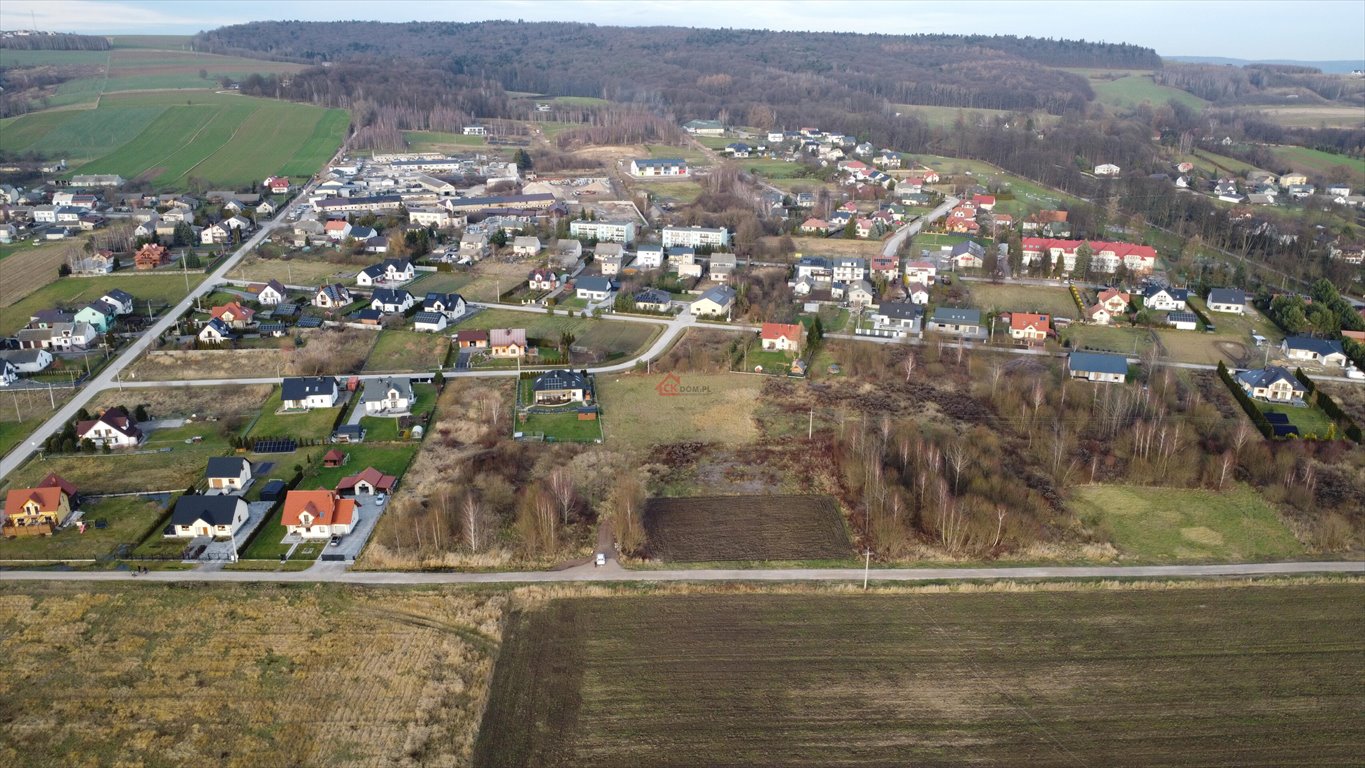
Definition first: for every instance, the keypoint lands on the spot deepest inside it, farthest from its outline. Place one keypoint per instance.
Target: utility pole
(51, 397)
(867, 566)
(810, 429)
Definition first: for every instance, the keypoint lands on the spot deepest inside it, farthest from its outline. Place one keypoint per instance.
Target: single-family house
(663, 166)
(1114, 301)
(722, 266)
(1106, 169)
(114, 428)
(120, 300)
(957, 322)
(473, 245)
(269, 294)
(897, 318)
(785, 337)
(228, 473)
(389, 396)
(848, 269)
(1099, 314)
(560, 387)
(471, 339)
(98, 314)
(917, 293)
(332, 296)
(8, 373)
(150, 256)
(653, 300)
(1030, 327)
(649, 256)
(715, 302)
(391, 300)
(233, 314)
(35, 511)
(317, 514)
(430, 322)
(1273, 384)
(452, 305)
(216, 516)
(367, 482)
(525, 246)
(508, 342)
(215, 331)
(860, 294)
(1227, 300)
(26, 360)
(593, 288)
(1321, 351)
(1293, 179)
(542, 280)
(1098, 367)
(1182, 321)
(922, 272)
(1164, 298)
(337, 230)
(308, 392)
(277, 185)
(968, 255)
(391, 271)
(610, 262)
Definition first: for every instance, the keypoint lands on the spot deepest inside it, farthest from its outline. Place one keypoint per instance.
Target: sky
(1310, 30)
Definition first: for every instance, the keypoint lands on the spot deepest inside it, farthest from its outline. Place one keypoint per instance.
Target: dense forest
(54, 41)
(702, 73)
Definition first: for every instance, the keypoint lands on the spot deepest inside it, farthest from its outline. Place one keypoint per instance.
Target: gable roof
(900, 310)
(957, 316)
(1097, 362)
(323, 507)
(774, 331)
(1226, 296)
(378, 389)
(391, 296)
(226, 466)
(49, 499)
(54, 480)
(1320, 347)
(374, 477)
(301, 387)
(502, 337)
(1020, 321)
(593, 284)
(720, 294)
(560, 379)
(214, 510)
(1264, 377)
(115, 417)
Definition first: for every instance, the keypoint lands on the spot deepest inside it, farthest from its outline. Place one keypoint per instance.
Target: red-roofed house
(334, 458)
(114, 428)
(1026, 326)
(368, 481)
(54, 480)
(1114, 300)
(1098, 315)
(234, 314)
(815, 225)
(317, 514)
(277, 185)
(920, 272)
(781, 336)
(963, 226)
(984, 202)
(1105, 256)
(884, 266)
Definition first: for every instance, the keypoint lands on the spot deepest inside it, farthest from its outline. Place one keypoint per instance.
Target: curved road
(337, 573)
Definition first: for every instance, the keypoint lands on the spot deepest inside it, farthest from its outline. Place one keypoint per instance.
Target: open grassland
(404, 351)
(689, 153)
(297, 270)
(1318, 163)
(437, 141)
(227, 140)
(772, 169)
(389, 459)
(944, 117)
(313, 424)
(1122, 339)
(21, 411)
(1255, 675)
(681, 191)
(613, 339)
(1129, 91)
(835, 246)
(1177, 524)
(334, 351)
(128, 520)
(126, 472)
(79, 135)
(74, 292)
(1024, 298)
(711, 408)
(1221, 164)
(243, 676)
(1323, 116)
(26, 268)
(745, 528)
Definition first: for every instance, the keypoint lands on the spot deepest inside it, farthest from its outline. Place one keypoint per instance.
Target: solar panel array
(276, 445)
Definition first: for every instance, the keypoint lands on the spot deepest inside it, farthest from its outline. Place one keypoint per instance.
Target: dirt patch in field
(747, 528)
(201, 402)
(25, 271)
(1234, 351)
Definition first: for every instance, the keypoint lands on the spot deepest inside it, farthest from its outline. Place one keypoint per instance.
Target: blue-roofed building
(1273, 384)
(1097, 366)
(957, 321)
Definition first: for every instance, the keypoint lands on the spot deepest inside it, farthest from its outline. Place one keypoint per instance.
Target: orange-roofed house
(234, 314)
(35, 511)
(150, 256)
(782, 336)
(318, 514)
(1029, 327)
(368, 481)
(1114, 300)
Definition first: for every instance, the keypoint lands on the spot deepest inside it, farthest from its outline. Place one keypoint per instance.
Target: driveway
(367, 516)
(223, 550)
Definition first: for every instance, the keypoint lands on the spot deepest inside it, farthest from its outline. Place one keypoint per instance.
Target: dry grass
(202, 402)
(299, 270)
(243, 675)
(711, 408)
(493, 276)
(1024, 298)
(1313, 117)
(32, 267)
(836, 246)
(332, 351)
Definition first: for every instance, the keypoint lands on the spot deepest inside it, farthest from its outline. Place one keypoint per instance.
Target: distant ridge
(1345, 66)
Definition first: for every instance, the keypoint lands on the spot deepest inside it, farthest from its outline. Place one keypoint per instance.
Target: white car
(1355, 373)
(601, 560)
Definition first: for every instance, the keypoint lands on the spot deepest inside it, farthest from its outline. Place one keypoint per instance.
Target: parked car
(335, 541)
(601, 560)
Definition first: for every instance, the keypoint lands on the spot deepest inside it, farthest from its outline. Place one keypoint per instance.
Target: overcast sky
(1314, 30)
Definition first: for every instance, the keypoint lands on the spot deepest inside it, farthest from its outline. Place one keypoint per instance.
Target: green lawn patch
(561, 427)
(1317, 162)
(436, 141)
(1309, 419)
(129, 519)
(315, 424)
(1177, 524)
(407, 351)
(391, 459)
(74, 292)
(384, 428)
(1129, 91)
(615, 339)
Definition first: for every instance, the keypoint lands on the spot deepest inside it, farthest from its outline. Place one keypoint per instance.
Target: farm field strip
(1251, 675)
(746, 528)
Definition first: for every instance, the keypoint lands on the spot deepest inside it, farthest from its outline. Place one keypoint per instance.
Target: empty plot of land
(296, 270)
(711, 408)
(1314, 117)
(281, 675)
(749, 528)
(1170, 524)
(1266, 675)
(1024, 298)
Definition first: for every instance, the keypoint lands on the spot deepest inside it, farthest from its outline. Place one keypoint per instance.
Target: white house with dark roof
(308, 392)
(389, 271)
(389, 396)
(1321, 351)
(1097, 367)
(1227, 300)
(217, 516)
(1273, 384)
(228, 473)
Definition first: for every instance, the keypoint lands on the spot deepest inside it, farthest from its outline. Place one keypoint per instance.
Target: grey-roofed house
(1227, 300)
(430, 322)
(228, 473)
(216, 516)
(957, 322)
(593, 288)
(653, 300)
(305, 392)
(1322, 351)
(1183, 321)
(715, 302)
(560, 387)
(390, 396)
(1097, 366)
(1274, 384)
(895, 319)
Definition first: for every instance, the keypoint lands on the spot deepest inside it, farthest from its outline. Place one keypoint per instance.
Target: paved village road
(107, 377)
(612, 572)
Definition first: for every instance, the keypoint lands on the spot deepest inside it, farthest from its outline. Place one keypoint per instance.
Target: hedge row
(1257, 417)
(1200, 314)
(1329, 406)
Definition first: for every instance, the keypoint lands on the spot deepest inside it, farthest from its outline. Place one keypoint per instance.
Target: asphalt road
(337, 573)
(893, 244)
(109, 376)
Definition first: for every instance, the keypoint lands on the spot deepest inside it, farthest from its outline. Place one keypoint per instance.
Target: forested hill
(698, 72)
(53, 41)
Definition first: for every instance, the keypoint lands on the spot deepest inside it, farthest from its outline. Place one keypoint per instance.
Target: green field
(581, 101)
(1310, 419)
(75, 291)
(1131, 90)
(685, 192)
(689, 153)
(407, 351)
(315, 424)
(171, 138)
(1177, 524)
(436, 141)
(560, 427)
(1024, 298)
(129, 519)
(389, 459)
(1259, 675)
(774, 169)
(1123, 339)
(945, 117)
(614, 338)
(381, 428)
(1318, 163)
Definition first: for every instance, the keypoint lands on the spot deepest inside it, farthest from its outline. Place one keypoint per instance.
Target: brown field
(836, 246)
(328, 351)
(1065, 676)
(1313, 117)
(162, 675)
(201, 402)
(711, 408)
(1351, 398)
(32, 267)
(747, 528)
(298, 270)
(493, 276)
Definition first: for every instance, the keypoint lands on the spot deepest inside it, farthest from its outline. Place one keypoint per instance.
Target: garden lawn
(436, 141)
(129, 518)
(384, 428)
(1024, 298)
(1178, 524)
(561, 427)
(315, 424)
(74, 292)
(389, 459)
(1309, 419)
